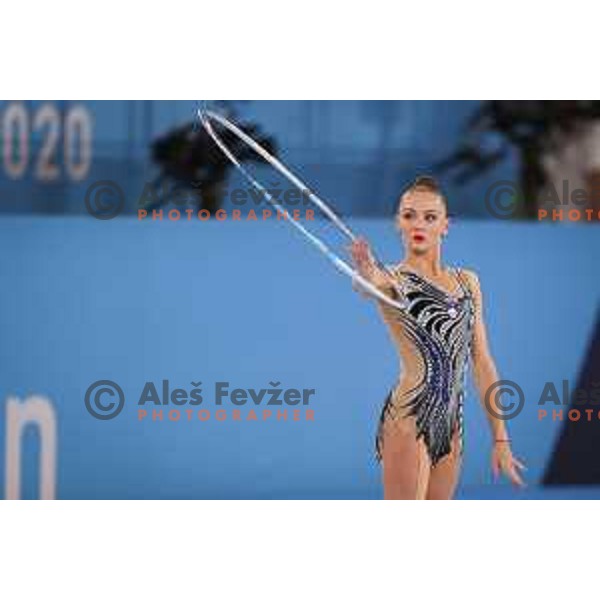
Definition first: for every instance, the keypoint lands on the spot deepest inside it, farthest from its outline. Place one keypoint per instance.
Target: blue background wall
(248, 302)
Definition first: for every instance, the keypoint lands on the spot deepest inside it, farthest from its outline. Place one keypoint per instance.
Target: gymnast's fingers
(515, 477)
(519, 464)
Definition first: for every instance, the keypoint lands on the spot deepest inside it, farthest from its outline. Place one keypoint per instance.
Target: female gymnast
(420, 435)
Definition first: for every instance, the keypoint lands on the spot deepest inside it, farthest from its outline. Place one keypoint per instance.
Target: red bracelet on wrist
(498, 441)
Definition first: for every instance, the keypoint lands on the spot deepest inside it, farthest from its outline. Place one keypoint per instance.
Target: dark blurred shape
(575, 459)
(534, 128)
(188, 157)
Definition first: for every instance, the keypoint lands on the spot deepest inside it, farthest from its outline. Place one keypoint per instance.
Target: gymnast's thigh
(406, 464)
(443, 478)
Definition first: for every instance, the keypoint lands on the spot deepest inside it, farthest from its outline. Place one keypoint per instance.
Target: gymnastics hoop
(206, 116)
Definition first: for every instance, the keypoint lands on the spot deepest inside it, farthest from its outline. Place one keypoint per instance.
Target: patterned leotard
(440, 326)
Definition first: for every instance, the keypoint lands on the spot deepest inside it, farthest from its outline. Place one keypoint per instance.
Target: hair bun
(426, 181)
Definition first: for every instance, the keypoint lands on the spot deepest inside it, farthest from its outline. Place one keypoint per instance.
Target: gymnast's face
(421, 220)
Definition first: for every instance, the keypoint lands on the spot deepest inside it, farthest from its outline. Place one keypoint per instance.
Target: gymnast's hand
(504, 461)
(365, 264)
(362, 256)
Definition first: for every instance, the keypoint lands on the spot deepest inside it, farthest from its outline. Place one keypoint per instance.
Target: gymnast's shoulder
(471, 278)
